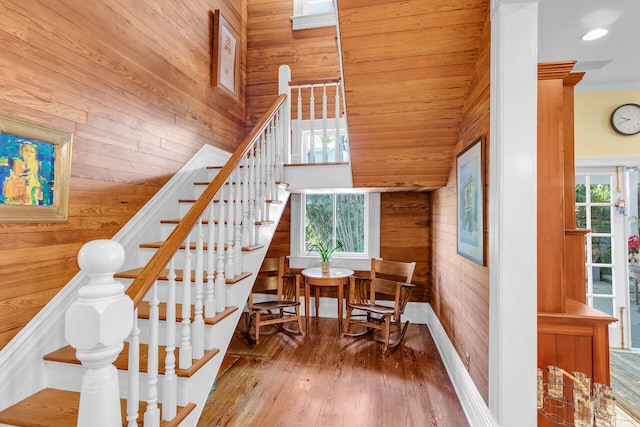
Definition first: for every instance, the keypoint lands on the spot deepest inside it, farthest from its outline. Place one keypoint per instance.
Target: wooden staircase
(161, 307)
(57, 407)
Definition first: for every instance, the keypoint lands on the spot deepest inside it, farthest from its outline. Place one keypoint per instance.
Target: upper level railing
(318, 124)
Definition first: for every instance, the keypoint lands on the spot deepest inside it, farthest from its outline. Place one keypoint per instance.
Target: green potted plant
(325, 249)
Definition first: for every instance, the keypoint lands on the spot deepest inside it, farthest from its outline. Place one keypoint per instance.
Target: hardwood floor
(326, 380)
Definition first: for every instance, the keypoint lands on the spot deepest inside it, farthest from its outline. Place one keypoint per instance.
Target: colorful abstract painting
(27, 170)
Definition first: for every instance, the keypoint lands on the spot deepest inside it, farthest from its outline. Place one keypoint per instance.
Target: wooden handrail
(317, 82)
(145, 280)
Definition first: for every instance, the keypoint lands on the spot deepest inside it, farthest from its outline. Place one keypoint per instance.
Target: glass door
(597, 191)
(632, 202)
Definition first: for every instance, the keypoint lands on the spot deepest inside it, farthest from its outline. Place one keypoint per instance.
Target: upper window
(313, 14)
(353, 219)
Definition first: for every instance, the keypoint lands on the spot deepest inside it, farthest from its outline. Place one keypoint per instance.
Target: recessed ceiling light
(595, 34)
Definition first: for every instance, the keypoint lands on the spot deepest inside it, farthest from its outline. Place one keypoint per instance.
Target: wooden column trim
(575, 275)
(569, 83)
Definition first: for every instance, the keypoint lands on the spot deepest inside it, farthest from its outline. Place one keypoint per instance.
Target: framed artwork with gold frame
(35, 168)
(226, 55)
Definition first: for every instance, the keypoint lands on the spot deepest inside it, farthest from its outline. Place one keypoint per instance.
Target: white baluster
(264, 216)
(271, 161)
(268, 171)
(230, 268)
(100, 302)
(170, 381)
(285, 150)
(209, 303)
(133, 374)
(324, 123)
(198, 320)
(245, 202)
(237, 224)
(152, 414)
(312, 133)
(280, 144)
(186, 351)
(220, 280)
(252, 199)
(258, 182)
(299, 143)
(338, 152)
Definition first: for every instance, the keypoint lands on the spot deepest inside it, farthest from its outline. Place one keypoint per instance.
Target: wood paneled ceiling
(407, 68)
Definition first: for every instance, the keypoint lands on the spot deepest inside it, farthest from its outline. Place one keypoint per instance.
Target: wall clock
(625, 119)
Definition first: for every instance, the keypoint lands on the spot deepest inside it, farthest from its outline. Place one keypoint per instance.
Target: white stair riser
(145, 254)
(211, 173)
(66, 376)
(163, 289)
(210, 331)
(166, 229)
(185, 206)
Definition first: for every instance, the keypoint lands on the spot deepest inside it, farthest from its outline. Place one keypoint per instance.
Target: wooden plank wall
(460, 288)
(131, 80)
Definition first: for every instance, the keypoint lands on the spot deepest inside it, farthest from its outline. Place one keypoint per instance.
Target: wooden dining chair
(282, 308)
(389, 281)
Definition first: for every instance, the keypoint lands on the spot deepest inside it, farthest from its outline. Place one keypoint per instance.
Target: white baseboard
(473, 404)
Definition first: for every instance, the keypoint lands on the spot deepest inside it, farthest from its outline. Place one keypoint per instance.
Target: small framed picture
(226, 55)
(470, 201)
(35, 163)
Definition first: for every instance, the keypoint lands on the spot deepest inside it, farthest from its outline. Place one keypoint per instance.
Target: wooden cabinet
(571, 334)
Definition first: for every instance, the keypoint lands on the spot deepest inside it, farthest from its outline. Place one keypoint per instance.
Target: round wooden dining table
(336, 277)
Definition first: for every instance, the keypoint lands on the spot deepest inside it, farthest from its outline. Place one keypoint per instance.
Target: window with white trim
(313, 14)
(351, 218)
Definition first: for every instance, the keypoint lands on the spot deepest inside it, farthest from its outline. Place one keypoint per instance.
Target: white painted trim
(305, 22)
(512, 246)
(607, 87)
(299, 259)
(607, 161)
(473, 404)
(23, 370)
(315, 177)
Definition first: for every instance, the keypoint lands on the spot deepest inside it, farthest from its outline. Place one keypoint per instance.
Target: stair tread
(53, 407)
(206, 221)
(143, 312)
(67, 354)
(192, 245)
(278, 202)
(177, 220)
(156, 245)
(164, 275)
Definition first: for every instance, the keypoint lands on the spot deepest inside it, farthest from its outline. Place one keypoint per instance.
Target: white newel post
(286, 150)
(96, 325)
